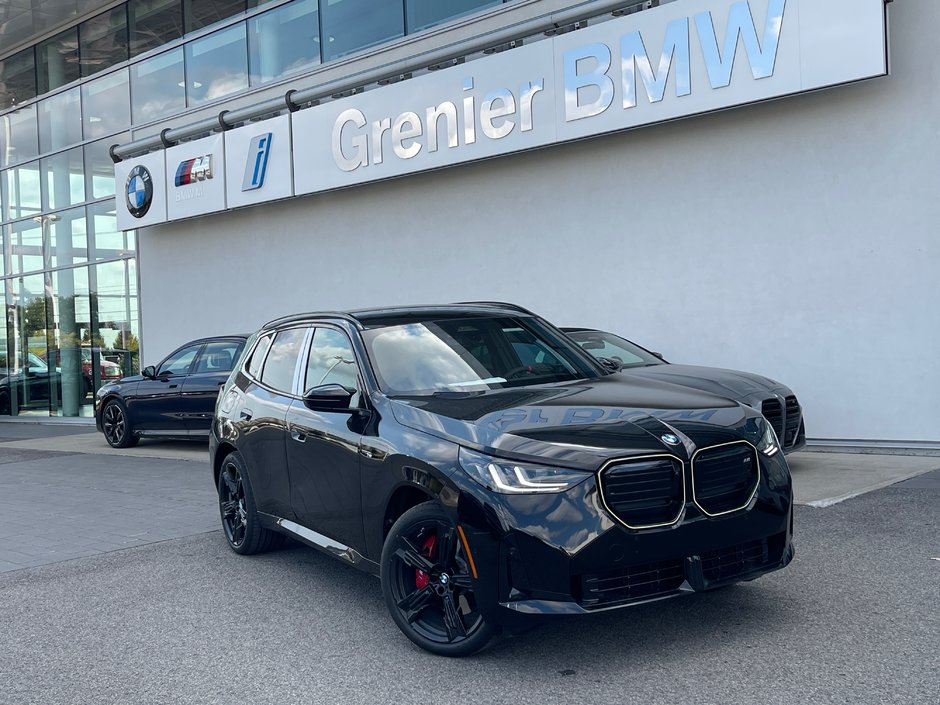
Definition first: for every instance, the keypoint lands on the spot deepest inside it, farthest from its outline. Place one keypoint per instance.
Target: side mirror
(329, 397)
(610, 364)
(150, 372)
(657, 354)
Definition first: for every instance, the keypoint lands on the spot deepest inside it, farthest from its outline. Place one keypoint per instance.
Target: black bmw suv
(489, 469)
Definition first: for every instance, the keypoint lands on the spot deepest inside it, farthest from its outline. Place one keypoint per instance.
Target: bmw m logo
(670, 438)
(193, 170)
(138, 191)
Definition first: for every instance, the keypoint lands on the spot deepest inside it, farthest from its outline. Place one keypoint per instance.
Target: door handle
(245, 414)
(298, 436)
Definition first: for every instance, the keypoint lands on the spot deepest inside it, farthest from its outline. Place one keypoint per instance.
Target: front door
(323, 447)
(155, 406)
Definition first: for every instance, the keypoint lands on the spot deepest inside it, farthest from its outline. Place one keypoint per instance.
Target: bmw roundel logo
(670, 438)
(138, 191)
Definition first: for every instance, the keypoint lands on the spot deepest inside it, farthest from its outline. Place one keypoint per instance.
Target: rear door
(201, 387)
(268, 391)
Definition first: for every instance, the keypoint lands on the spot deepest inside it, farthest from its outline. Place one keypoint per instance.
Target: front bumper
(566, 554)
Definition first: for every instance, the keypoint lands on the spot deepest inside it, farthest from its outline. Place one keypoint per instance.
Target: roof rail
(501, 304)
(298, 317)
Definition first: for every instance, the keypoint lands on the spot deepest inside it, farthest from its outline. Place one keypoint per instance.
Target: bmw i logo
(138, 191)
(670, 438)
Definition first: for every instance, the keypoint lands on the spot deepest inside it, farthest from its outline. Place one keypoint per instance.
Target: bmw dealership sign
(677, 60)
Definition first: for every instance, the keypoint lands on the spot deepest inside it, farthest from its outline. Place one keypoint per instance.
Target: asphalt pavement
(116, 586)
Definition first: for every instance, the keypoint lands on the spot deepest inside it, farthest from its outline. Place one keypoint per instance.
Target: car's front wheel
(116, 426)
(240, 520)
(428, 585)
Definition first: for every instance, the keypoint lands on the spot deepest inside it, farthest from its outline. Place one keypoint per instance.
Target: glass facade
(68, 275)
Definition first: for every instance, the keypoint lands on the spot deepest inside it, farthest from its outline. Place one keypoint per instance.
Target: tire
(240, 522)
(434, 607)
(116, 426)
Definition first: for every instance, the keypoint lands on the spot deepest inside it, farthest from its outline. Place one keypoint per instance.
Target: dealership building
(749, 184)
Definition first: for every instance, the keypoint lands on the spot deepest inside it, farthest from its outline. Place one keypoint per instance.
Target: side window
(257, 356)
(218, 356)
(279, 366)
(179, 362)
(331, 361)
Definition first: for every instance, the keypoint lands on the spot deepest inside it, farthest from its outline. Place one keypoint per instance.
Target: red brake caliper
(427, 548)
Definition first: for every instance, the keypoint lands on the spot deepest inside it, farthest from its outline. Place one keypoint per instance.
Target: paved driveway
(117, 587)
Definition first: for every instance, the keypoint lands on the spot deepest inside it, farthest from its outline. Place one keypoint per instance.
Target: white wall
(797, 238)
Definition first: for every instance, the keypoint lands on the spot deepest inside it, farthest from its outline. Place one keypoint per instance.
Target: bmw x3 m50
(488, 469)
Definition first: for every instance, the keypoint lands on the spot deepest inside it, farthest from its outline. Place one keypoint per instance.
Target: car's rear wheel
(428, 586)
(116, 426)
(240, 521)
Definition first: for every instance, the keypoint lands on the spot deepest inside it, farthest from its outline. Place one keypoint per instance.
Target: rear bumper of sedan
(567, 554)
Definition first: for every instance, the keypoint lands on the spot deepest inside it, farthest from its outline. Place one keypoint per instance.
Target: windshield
(613, 347)
(462, 354)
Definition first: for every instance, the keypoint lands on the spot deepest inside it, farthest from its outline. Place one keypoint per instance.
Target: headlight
(508, 477)
(768, 443)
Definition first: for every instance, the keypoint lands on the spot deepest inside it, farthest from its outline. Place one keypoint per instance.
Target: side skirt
(336, 549)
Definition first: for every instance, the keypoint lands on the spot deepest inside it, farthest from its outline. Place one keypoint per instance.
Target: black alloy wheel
(428, 586)
(116, 427)
(240, 522)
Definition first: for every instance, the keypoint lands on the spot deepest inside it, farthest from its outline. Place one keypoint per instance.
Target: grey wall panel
(796, 238)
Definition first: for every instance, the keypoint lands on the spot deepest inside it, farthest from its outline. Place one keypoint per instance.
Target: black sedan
(490, 470)
(774, 400)
(175, 398)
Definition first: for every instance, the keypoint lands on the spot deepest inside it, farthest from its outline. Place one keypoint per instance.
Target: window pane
(63, 179)
(20, 191)
(106, 104)
(70, 319)
(349, 25)
(218, 356)
(331, 360)
(157, 87)
(115, 313)
(257, 356)
(217, 65)
(60, 121)
(19, 137)
(17, 79)
(424, 13)
(153, 23)
(279, 366)
(27, 345)
(180, 362)
(103, 40)
(284, 40)
(57, 60)
(107, 242)
(67, 238)
(99, 169)
(25, 238)
(199, 14)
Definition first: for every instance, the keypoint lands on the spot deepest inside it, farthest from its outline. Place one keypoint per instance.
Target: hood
(743, 387)
(578, 424)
